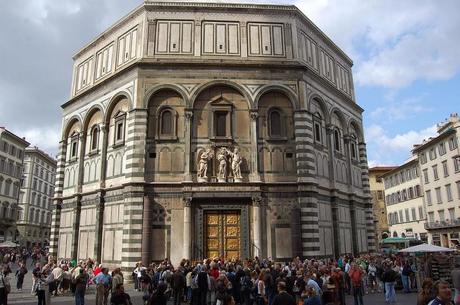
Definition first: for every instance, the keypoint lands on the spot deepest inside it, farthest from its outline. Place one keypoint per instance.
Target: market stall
(432, 261)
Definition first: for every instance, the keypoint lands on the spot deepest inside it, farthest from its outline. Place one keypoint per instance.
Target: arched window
(94, 138)
(74, 146)
(337, 140)
(166, 123)
(353, 147)
(275, 124)
(395, 234)
(317, 126)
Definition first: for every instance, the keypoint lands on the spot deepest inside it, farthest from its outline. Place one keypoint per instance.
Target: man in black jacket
(203, 284)
(178, 285)
(283, 298)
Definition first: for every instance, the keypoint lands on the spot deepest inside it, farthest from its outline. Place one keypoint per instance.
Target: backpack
(246, 284)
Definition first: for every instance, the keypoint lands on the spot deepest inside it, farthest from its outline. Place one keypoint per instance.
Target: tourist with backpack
(247, 286)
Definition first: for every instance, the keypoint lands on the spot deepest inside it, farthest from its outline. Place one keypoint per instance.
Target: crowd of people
(224, 282)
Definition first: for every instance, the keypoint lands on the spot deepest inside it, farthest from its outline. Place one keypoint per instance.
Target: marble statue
(222, 159)
(236, 164)
(202, 172)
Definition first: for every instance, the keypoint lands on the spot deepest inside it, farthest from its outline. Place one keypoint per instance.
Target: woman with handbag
(5, 287)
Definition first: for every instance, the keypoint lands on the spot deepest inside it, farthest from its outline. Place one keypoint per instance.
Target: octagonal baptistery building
(200, 130)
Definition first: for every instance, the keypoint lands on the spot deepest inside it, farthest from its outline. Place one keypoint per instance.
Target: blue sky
(405, 53)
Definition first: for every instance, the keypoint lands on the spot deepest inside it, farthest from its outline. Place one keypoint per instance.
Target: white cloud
(46, 138)
(393, 43)
(400, 109)
(377, 135)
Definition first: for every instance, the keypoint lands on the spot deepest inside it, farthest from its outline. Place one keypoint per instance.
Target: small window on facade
(336, 140)
(166, 123)
(318, 132)
(275, 124)
(119, 132)
(94, 138)
(221, 123)
(73, 148)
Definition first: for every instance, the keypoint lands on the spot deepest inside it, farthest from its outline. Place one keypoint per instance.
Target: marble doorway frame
(201, 206)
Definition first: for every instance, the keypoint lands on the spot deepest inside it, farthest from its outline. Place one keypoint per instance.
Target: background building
(198, 130)
(377, 188)
(404, 201)
(11, 157)
(439, 159)
(35, 199)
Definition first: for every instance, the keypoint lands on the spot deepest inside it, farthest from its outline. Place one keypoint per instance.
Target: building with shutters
(35, 198)
(210, 129)
(404, 201)
(439, 159)
(11, 161)
(377, 188)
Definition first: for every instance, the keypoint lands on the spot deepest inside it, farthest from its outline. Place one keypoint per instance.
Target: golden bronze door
(222, 231)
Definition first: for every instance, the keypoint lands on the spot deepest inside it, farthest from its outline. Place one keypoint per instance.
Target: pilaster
(254, 175)
(187, 228)
(76, 228)
(131, 251)
(135, 145)
(330, 146)
(104, 129)
(257, 226)
(188, 140)
(146, 248)
(99, 227)
(55, 225)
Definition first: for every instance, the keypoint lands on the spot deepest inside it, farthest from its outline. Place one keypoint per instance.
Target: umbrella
(426, 248)
(8, 244)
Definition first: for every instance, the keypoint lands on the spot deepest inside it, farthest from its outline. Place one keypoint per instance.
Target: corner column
(55, 225)
(254, 176)
(146, 231)
(57, 200)
(257, 226)
(366, 189)
(188, 132)
(187, 248)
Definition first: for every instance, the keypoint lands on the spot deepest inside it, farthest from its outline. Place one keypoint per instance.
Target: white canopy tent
(426, 248)
(8, 244)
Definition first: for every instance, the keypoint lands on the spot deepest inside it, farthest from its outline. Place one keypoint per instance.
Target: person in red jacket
(356, 278)
(97, 270)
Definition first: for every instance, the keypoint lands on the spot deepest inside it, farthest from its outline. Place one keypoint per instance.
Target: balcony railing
(442, 224)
